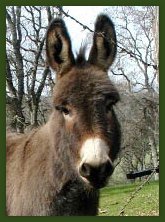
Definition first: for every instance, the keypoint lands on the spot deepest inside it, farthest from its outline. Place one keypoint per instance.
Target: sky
(86, 15)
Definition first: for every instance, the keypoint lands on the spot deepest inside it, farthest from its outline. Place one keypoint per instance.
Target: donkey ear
(104, 46)
(58, 47)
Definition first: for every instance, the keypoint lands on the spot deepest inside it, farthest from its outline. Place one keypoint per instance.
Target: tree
(26, 70)
(137, 66)
(15, 100)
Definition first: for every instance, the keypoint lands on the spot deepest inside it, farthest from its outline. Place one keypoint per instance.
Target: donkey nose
(96, 175)
(85, 170)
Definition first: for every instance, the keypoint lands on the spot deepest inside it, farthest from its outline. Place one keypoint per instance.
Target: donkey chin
(95, 167)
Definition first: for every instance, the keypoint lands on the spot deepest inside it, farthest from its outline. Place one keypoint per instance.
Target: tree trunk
(154, 154)
(17, 119)
(156, 38)
(34, 116)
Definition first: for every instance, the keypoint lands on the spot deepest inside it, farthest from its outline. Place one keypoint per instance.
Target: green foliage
(145, 202)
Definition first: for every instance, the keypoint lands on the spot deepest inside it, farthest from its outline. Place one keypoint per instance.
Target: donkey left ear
(58, 47)
(104, 43)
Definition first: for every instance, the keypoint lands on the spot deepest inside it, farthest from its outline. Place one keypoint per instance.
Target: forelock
(81, 59)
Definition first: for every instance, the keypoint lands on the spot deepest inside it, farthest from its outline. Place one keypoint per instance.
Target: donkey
(59, 168)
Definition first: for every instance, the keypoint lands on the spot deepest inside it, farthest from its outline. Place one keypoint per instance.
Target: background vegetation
(30, 82)
(145, 203)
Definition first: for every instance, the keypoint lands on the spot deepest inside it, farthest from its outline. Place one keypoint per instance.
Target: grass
(145, 202)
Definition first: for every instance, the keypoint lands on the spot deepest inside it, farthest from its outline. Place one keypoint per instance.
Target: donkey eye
(63, 110)
(109, 105)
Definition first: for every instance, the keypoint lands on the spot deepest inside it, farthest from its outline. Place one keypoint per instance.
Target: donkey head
(84, 98)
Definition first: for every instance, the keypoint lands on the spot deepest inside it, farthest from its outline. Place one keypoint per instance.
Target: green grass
(145, 202)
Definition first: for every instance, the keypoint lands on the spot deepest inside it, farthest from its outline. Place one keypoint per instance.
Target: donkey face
(84, 97)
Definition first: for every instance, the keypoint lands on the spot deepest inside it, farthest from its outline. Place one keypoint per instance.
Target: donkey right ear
(58, 47)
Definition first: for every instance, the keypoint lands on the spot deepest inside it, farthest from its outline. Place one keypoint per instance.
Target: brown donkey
(59, 168)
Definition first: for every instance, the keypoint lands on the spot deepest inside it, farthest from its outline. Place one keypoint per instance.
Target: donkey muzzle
(95, 165)
(97, 176)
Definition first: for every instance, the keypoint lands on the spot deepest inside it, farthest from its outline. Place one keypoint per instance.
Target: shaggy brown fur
(42, 166)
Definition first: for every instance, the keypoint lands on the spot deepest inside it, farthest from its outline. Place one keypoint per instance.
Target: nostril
(107, 168)
(85, 170)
